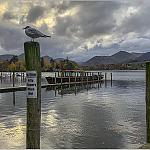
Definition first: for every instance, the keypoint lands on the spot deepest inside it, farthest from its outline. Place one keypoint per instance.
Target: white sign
(31, 84)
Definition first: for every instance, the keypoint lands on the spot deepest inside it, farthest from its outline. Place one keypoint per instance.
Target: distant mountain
(143, 57)
(6, 57)
(137, 54)
(118, 58)
(123, 57)
(100, 60)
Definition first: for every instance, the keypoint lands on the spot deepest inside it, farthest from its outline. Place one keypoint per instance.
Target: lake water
(98, 117)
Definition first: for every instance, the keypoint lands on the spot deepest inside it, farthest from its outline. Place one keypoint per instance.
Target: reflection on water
(93, 116)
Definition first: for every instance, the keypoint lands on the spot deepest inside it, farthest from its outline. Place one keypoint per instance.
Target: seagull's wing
(36, 32)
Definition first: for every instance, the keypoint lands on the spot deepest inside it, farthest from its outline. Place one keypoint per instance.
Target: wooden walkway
(23, 88)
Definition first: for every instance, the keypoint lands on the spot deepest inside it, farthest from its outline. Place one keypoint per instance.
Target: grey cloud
(138, 22)
(11, 37)
(35, 13)
(93, 18)
(92, 21)
(8, 16)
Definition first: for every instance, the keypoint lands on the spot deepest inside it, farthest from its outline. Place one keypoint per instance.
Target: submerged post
(13, 78)
(111, 78)
(33, 79)
(1, 76)
(148, 100)
(55, 78)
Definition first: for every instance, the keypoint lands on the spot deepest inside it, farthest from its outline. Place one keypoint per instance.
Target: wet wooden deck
(23, 88)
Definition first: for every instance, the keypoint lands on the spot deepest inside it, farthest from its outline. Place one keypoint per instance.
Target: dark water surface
(104, 117)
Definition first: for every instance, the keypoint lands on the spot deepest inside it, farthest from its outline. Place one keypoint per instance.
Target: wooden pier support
(10, 76)
(87, 75)
(148, 100)
(111, 79)
(1, 77)
(13, 78)
(55, 77)
(105, 76)
(32, 58)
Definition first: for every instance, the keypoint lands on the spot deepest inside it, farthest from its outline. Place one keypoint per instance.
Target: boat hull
(53, 80)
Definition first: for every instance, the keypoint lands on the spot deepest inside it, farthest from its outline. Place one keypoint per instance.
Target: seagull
(34, 33)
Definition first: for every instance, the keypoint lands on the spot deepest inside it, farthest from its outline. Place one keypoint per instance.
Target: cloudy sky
(79, 29)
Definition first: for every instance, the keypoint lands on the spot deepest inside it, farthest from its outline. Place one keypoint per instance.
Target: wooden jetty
(88, 77)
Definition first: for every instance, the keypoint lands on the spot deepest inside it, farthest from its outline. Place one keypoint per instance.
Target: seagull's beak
(23, 28)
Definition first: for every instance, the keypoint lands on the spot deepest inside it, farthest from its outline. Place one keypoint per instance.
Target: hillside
(123, 57)
(143, 58)
(120, 57)
(6, 57)
(100, 60)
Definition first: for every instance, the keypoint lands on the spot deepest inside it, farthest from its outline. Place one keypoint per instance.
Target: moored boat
(74, 76)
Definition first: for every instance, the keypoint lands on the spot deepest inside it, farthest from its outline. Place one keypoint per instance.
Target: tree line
(16, 64)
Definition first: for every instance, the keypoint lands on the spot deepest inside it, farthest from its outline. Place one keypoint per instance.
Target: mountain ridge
(120, 57)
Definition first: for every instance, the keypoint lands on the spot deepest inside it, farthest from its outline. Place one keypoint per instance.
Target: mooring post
(148, 100)
(58, 73)
(69, 77)
(1, 76)
(13, 78)
(105, 76)
(23, 76)
(87, 76)
(75, 77)
(82, 78)
(33, 79)
(10, 76)
(55, 77)
(111, 78)
(61, 78)
(93, 76)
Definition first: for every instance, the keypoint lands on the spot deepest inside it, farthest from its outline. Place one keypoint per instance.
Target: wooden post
(87, 76)
(10, 76)
(61, 78)
(105, 76)
(82, 78)
(55, 91)
(32, 58)
(93, 76)
(13, 78)
(111, 78)
(55, 77)
(75, 77)
(69, 77)
(148, 100)
(23, 76)
(1, 76)
(98, 77)
(78, 76)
